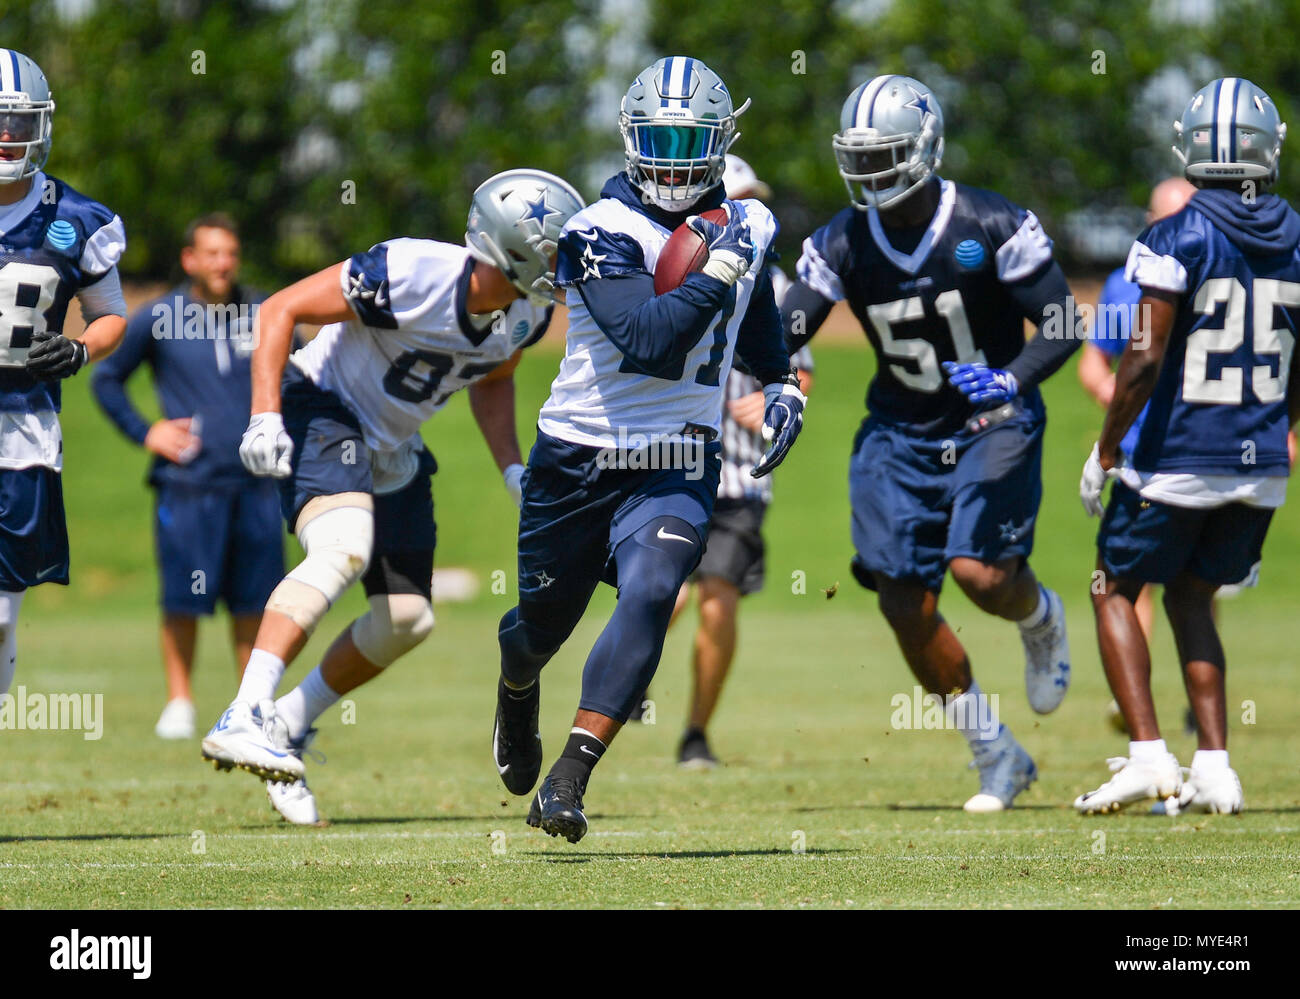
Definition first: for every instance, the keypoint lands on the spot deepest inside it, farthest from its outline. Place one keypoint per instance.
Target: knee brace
(396, 623)
(337, 533)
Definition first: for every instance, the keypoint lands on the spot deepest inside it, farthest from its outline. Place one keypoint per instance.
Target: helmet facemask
(25, 129)
(886, 169)
(675, 159)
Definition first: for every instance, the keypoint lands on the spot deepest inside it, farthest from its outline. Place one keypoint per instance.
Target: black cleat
(516, 742)
(694, 753)
(557, 809)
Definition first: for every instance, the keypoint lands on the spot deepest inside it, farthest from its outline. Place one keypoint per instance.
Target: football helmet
(1230, 130)
(514, 224)
(890, 140)
(25, 112)
(677, 122)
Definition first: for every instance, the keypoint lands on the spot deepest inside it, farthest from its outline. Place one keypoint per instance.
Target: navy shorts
(33, 528)
(919, 502)
(218, 542)
(329, 457)
(575, 513)
(329, 454)
(1153, 542)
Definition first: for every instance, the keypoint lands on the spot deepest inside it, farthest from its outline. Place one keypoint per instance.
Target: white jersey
(596, 398)
(412, 344)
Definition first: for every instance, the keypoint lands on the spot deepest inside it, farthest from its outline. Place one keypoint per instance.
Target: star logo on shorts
(543, 580)
(1009, 532)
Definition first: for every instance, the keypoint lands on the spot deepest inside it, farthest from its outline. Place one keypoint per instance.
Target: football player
(1212, 353)
(408, 323)
(945, 474)
(55, 243)
(621, 483)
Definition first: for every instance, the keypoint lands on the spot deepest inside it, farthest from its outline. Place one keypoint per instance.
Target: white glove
(514, 476)
(1093, 481)
(266, 449)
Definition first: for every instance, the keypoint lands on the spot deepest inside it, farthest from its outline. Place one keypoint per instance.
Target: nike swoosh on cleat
(671, 537)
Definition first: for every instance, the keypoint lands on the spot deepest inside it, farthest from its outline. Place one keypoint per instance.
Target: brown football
(684, 253)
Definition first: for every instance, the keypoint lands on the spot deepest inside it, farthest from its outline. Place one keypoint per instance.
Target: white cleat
(1132, 782)
(294, 801)
(253, 739)
(1005, 770)
(1047, 658)
(1215, 791)
(176, 720)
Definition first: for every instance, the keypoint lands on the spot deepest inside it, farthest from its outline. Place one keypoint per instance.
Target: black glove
(53, 356)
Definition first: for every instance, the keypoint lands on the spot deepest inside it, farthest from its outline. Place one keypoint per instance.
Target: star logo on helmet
(538, 210)
(920, 102)
(591, 262)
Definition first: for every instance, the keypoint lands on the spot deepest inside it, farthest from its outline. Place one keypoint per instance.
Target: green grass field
(418, 817)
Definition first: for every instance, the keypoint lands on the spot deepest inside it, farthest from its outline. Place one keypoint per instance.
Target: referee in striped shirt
(732, 566)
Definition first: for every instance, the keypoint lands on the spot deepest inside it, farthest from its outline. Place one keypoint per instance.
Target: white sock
(1040, 612)
(305, 703)
(1210, 759)
(974, 715)
(9, 604)
(261, 677)
(1151, 751)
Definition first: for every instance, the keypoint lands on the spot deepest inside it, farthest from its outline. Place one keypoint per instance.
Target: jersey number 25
(1266, 294)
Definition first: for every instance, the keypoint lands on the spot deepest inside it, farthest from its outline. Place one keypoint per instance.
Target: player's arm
(760, 345)
(810, 299)
(53, 356)
(266, 448)
(315, 300)
(492, 401)
(1139, 368)
(1045, 300)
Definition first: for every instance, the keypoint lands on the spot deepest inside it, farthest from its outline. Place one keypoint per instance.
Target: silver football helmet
(1230, 130)
(890, 140)
(677, 122)
(514, 224)
(25, 112)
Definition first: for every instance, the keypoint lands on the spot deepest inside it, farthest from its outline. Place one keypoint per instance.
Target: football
(684, 253)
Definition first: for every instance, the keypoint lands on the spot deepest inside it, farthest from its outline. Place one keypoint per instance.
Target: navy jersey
(53, 243)
(1220, 403)
(947, 299)
(200, 356)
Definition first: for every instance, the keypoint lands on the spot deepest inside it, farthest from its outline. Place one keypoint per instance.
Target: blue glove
(980, 383)
(782, 421)
(731, 250)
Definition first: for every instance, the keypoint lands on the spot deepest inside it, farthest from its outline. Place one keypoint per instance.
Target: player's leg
(651, 563)
(562, 551)
(1139, 542)
(901, 505)
(327, 499)
(1145, 609)
(1228, 551)
(11, 602)
(33, 549)
(997, 488)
